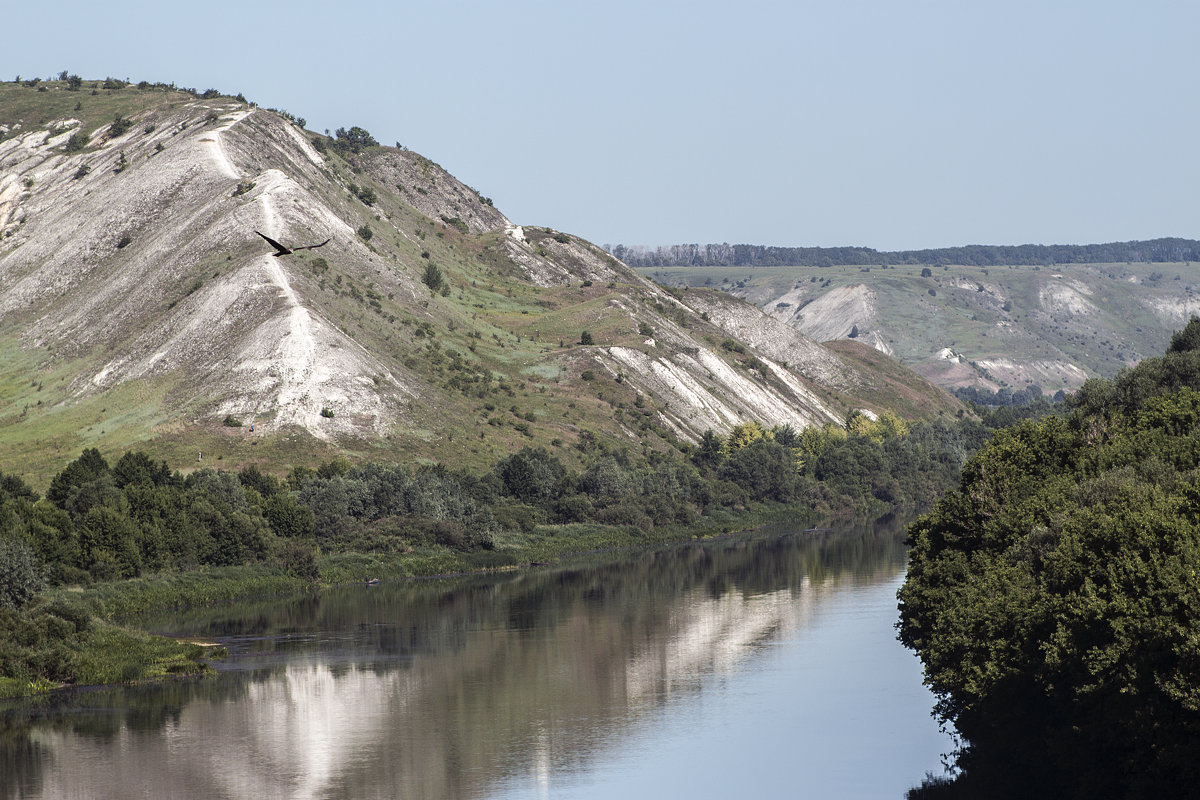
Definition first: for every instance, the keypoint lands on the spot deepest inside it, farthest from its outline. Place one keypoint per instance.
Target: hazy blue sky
(883, 123)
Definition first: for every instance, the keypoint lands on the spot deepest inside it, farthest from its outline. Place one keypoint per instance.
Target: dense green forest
(1054, 596)
(101, 523)
(752, 255)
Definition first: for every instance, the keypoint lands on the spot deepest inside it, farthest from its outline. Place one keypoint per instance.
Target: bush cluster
(1053, 595)
(100, 522)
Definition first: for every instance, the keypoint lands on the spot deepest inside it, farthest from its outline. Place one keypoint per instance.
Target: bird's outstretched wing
(313, 246)
(282, 251)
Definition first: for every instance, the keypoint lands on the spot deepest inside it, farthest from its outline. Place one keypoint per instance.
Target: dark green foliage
(765, 469)
(87, 468)
(711, 451)
(375, 500)
(585, 338)
(531, 475)
(364, 193)
(13, 488)
(254, 478)
(119, 126)
(76, 143)
(758, 365)
(41, 642)
(1132, 388)
(288, 517)
(299, 560)
(433, 277)
(60, 642)
(354, 140)
(1054, 599)
(101, 523)
(22, 575)
(365, 232)
(1187, 339)
(456, 223)
(786, 435)
(108, 542)
(110, 523)
(137, 468)
(608, 479)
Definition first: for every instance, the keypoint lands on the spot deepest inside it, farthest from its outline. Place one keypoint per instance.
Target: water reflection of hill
(438, 688)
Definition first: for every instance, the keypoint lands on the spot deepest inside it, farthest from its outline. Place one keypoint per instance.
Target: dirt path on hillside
(217, 151)
(296, 355)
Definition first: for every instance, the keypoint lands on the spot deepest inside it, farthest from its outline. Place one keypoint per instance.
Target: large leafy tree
(22, 575)
(1054, 596)
(531, 475)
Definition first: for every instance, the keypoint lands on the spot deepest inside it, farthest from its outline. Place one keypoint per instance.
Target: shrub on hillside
(353, 140)
(76, 143)
(119, 126)
(433, 277)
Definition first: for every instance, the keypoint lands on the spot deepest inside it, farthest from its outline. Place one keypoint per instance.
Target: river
(760, 666)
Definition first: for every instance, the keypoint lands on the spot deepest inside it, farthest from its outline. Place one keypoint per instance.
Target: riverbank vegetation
(1054, 596)
(59, 642)
(109, 541)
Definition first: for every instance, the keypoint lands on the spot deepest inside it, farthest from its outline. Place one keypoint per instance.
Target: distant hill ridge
(978, 255)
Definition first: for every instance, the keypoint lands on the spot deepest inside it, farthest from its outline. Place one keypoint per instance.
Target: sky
(894, 124)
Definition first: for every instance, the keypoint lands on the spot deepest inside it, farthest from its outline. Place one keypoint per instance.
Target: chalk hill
(982, 325)
(138, 307)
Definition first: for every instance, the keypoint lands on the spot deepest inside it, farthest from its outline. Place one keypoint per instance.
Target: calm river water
(764, 666)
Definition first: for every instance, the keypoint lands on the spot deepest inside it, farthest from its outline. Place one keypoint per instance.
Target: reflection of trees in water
(22, 760)
(437, 687)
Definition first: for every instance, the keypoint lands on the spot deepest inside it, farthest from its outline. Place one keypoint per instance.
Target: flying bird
(287, 251)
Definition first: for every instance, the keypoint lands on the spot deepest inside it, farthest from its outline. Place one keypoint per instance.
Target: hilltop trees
(354, 140)
(748, 255)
